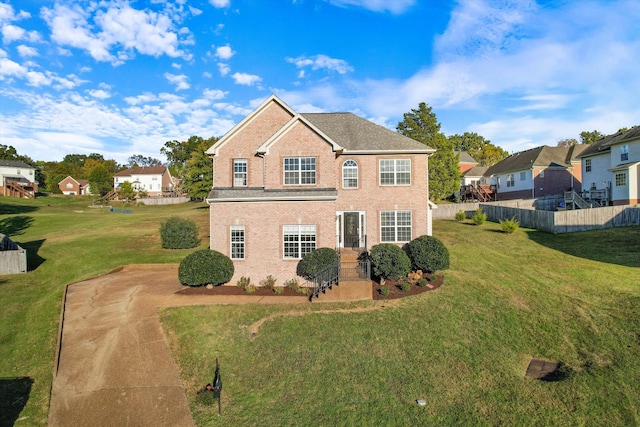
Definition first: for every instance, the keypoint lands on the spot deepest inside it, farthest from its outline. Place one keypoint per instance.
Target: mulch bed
(395, 290)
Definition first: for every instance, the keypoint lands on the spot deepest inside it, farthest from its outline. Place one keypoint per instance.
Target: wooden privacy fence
(567, 221)
(13, 259)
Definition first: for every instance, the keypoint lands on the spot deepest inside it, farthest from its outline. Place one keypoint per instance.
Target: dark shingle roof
(476, 171)
(142, 170)
(355, 134)
(604, 144)
(255, 194)
(465, 157)
(543, 156)
(15, 164)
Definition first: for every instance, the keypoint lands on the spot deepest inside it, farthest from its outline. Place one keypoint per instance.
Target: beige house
(287, 183)
(154, 180)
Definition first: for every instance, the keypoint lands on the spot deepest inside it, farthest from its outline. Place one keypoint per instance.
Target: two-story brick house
(74, 187)
(287, 183)
(611, 168)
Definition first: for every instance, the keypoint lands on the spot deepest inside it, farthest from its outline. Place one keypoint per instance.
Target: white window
(237, 242)
(299, 170)
(587, 165)
(395, 226)
(298, 240)
(523, 176)
(624, 153)
(69, 185)
(239, 172)
(541, 174)
(395, 171)
(350, 174)
(510, 180)
(621, 179)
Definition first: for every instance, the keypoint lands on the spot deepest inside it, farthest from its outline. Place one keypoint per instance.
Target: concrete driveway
(114, 367)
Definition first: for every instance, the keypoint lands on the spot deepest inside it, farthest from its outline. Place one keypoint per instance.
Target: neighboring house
(287, 183)
(611, 168)
(466, 162)
(155, 180)
(537, 172)
(74, 187)
(17, 179)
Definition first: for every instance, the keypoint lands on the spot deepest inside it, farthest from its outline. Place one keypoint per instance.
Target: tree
(197, 179)
(100, 180)
(140, 160)
(179, 152)
(590, 137)
(126, 191)
(444, 174)
(485, 153)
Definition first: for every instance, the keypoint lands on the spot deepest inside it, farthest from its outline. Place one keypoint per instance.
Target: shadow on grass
(14, 394)
(16, 209)
(619, 246)
(15, 225)
(33, 259)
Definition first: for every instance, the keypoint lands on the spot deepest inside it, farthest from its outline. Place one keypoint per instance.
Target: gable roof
(476, 171)
(539, 157)
(143, 170)
(15, 164)
(604, 144)
(465, 157)
(358, 135)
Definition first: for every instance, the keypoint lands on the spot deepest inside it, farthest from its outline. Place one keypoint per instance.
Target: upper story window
(239, 172)
(587, 165)
(395, 171)
(541, 174)
(523, 176)
(299, 171)
(510, 180)
(69, 185)
(350, 174)
(624, 153)
(18, 171)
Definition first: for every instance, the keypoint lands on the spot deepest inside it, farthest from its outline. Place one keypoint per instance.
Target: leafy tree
(126, 191)
(485, 153)
(590, 137)
(140, 160)
(179, 152)
(444, 174)
(100, 179)
(198, 171)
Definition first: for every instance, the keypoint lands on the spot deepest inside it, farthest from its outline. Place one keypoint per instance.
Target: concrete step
(347, 290)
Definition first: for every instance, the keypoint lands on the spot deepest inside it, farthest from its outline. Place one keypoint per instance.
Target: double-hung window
(395, 226)
(239, 172)
(523, 176)
(350, 174)
(237, 242)
(587, 165)
(299, 170)
(510, 180)
(624, 153)
(298, 240)
(395, 171)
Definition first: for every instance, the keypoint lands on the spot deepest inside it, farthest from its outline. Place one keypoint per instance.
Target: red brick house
(75, 187)
(287, 183)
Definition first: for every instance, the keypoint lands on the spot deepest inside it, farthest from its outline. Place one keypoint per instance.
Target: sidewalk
(114, 366)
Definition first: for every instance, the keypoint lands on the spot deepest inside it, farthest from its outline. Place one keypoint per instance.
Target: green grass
(464, 348)
(573, 298)
(66, 242)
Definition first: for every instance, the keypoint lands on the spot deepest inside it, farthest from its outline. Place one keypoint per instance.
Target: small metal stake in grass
(217, 385)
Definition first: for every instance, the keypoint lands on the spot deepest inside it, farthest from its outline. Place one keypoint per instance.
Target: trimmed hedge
(315, 261)
(179, 233)
(389, 261)
(205, 267)
(428, 254)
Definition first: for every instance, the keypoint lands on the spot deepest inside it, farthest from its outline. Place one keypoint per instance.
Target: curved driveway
(114, 366)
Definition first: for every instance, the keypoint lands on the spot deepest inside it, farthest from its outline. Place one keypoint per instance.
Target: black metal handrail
(325, 279)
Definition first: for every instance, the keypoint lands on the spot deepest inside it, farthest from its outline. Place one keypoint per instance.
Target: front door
(351, 229)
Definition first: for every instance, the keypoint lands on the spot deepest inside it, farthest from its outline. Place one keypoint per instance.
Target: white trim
(231, 242)
(362, 232)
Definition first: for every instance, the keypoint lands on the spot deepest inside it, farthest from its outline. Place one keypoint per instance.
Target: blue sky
(123, 77)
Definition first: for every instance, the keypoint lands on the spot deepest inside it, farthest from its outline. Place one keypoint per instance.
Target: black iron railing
(326, 279)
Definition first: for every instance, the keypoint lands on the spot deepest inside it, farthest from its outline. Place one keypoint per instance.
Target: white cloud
(99, 93)
(317, 62)
(223, 68)
(214, 94)
(224, 52)
(220, 3)
(195, 11)
(27, 51)
(393, 6)
(180, 80)
(246, 79)
(116, 27)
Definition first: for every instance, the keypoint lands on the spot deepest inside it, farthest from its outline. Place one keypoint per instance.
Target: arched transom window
(350, 174)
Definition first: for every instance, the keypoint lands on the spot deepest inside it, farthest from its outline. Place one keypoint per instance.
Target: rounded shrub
(315, 261)
(205, 267)
(429, 254)
(389, 261)
(179, 233)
